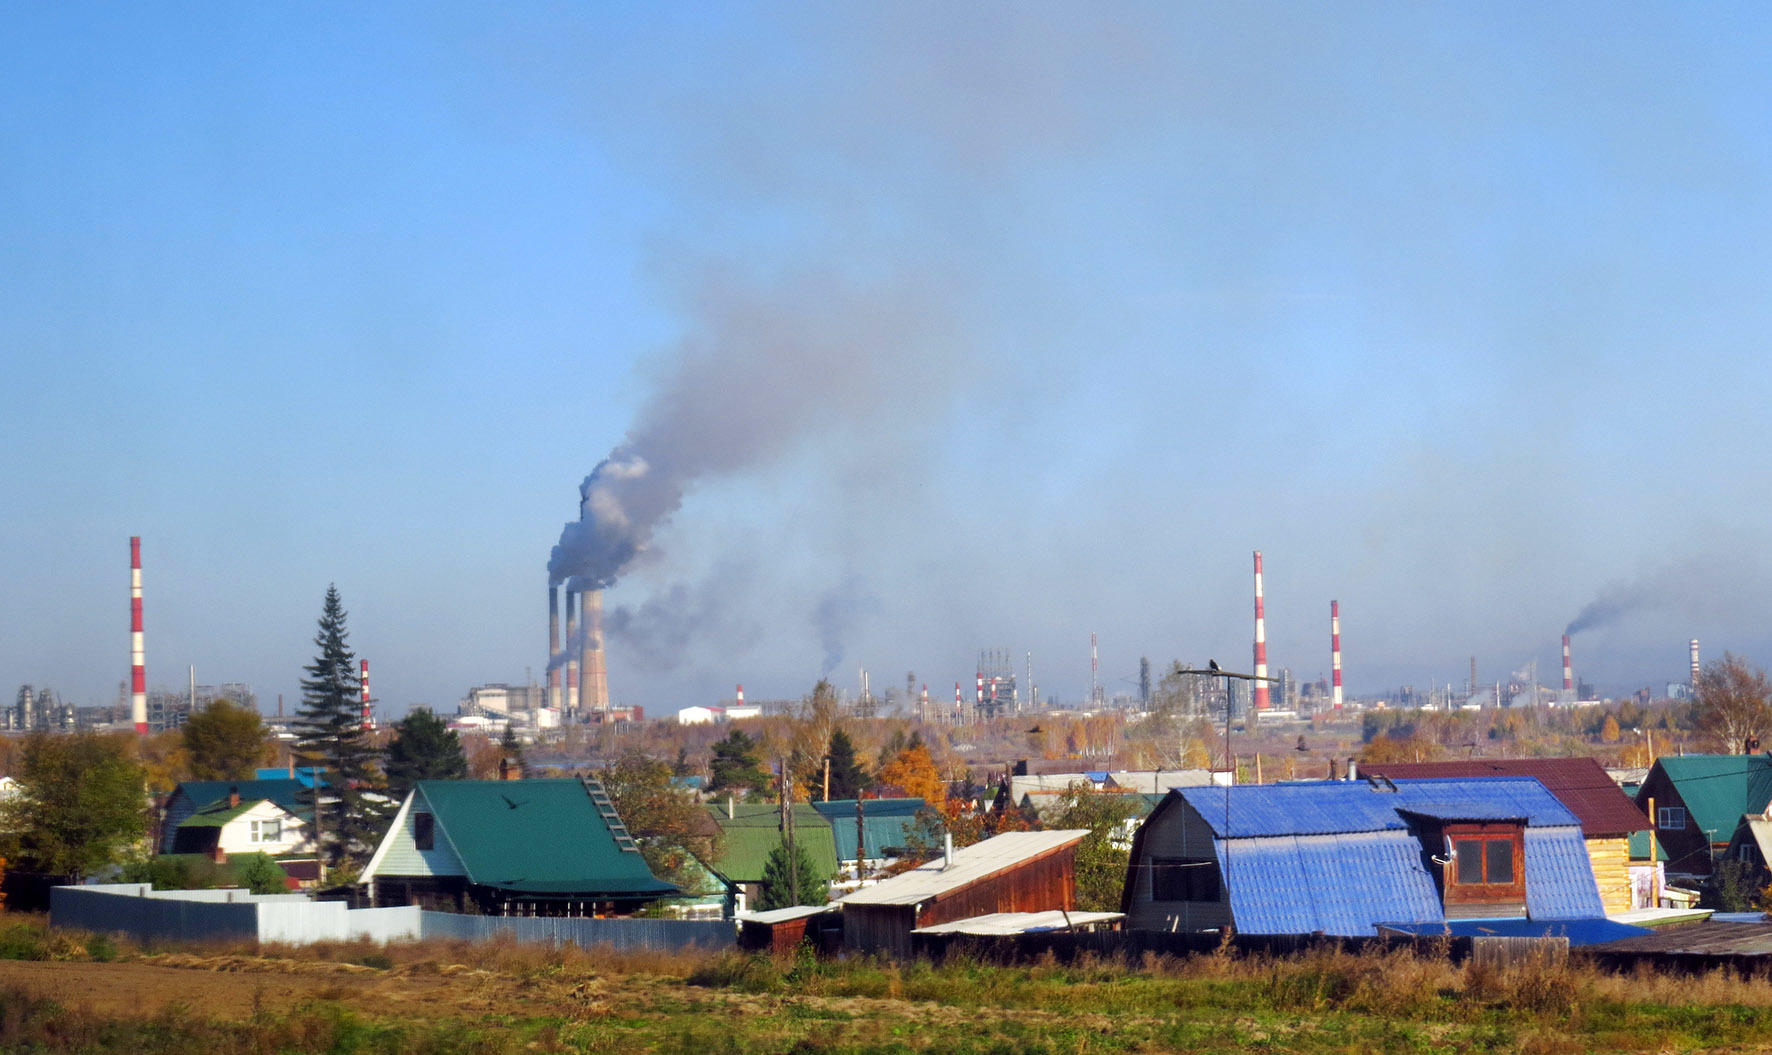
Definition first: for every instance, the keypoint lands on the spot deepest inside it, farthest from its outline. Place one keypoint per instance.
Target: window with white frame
(270, 831)
(1671, 817)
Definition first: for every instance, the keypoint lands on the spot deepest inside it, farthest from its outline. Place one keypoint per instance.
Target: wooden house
(511, 848)
(750, 831)
(1607, 815)
(1012, 872)
(1347, 857)
(1700, 801)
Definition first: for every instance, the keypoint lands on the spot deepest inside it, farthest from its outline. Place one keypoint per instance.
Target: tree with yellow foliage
(913, 770)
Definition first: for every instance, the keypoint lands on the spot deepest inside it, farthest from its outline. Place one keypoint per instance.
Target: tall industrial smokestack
(594, 693)
(572, 654)
(1094, 672)
(1335, 649)
(553, 646)
(138, 670)
(1261, 696)
(363, 681)
(740, 702)
(1695, 665)
(1568, 671)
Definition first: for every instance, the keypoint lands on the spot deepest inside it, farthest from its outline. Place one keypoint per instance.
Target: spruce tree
(848, 779)
(330, 737)
(423, 748)
(782, 872)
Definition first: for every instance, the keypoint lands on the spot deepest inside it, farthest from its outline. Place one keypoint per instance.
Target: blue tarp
(1592, 931)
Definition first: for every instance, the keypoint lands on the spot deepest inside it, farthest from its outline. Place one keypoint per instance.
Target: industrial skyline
(884, 335)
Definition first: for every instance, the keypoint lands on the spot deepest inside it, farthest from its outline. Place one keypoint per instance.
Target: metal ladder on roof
(606, 810)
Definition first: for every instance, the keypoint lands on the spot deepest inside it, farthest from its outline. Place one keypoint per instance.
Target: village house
(750, 831)
(1345, 857)
(1608, 816)
(1699, 802)
(551, 847)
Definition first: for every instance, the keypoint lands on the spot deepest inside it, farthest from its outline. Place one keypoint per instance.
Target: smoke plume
(1691, 587)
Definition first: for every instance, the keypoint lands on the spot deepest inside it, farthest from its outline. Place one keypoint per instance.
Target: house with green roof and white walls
(550, 847)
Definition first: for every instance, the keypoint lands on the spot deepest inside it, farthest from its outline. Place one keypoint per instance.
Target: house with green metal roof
(236, 825)
(883, 825)
(552, 847)
(1700, 801)
(193, 795)
(751, 830)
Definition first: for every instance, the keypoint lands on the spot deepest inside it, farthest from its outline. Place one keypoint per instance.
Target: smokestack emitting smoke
(138, 670)
(363, 682)
(1568, 671)
(572, 656)
(1335, 649)
(554, 646)
(594, 688)
(1261, 695)
(1694, 664)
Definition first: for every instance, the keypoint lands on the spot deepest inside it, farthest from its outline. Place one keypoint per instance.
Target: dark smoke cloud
(835, 617)
(680, 625)
(1691, 587)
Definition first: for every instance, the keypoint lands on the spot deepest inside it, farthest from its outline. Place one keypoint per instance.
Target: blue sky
(977, 327)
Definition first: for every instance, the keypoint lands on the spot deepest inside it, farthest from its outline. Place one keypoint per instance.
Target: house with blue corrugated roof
(1348, 857)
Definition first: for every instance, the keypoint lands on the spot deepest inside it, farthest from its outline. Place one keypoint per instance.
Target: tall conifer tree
(330, 737)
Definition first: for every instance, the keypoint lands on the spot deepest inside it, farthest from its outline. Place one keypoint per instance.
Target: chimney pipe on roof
(947, 851)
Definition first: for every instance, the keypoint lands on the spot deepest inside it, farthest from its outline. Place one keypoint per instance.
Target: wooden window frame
(1486, 892)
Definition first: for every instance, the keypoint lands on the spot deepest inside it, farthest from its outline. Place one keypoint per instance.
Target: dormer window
(1487, 863)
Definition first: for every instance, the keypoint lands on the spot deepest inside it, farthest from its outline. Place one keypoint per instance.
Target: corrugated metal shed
(1332, 884)
(1001, 923)
(971, 864)
(1581, 784)
(1328, 807)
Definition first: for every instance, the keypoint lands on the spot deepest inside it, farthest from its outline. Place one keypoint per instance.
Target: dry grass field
(71, 993)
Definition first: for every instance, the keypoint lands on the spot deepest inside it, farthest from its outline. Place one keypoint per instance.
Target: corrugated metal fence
(214, 915)
(622, 935)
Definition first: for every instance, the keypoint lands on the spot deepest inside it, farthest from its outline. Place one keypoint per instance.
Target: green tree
(1734, 702)
(330, 736)
(1105, 852)
(737, 765)
(790, 879)
(848, 778)
(512, 748)
(261, 875)
(226, 742)
(84, 803)
(423, 748)
(670, 827)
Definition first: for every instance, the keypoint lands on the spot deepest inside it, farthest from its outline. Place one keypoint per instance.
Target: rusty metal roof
(1580, 784)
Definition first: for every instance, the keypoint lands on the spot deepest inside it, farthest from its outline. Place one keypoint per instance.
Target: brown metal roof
(1581, 784)
(1711, 938)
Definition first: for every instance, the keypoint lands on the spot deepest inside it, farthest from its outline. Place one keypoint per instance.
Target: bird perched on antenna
(1212, 665)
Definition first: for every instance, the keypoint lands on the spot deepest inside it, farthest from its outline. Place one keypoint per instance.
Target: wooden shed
(1013, 872)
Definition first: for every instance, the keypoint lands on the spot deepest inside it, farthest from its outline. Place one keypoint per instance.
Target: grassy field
(78, 993)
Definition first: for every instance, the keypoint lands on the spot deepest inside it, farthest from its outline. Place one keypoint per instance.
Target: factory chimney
(363, 681)
(553, 646)
(740, 702)
(1261, 694)
(1568, 671)
(1335, 650)
(1695, 666)
(572, 640)
(594, 691)
(138, 671)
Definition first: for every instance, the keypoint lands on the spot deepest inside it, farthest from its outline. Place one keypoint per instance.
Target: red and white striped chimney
(363, 683)
(957, 704)
(1261, 694)
(1568, 672)
(978, 694)
(1694, 664)
(740, 696)
(553, 646)
(138, 670)
(1335, 649)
